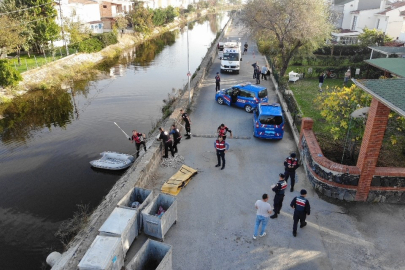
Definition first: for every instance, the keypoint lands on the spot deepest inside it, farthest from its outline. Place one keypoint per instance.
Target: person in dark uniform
(221, 146)
(301, 210)
(234, 96)
(138, 138)
(168, 143)
(187, 120)
(176, 137)
(291, 164)
(217, 82)
(222, 130)
(279, 189)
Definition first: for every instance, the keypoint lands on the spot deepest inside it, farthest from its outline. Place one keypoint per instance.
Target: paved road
(216, 211)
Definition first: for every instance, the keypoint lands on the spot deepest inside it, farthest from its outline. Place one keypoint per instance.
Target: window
(263, 93)
(100, 25)
(247, 94)
(92, 26)
(271, 120)
(231, 56)
(378, 23)
(354, 23)
(104, 6)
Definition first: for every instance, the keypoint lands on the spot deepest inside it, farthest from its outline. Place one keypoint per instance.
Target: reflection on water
(35, 111)
(49, 137)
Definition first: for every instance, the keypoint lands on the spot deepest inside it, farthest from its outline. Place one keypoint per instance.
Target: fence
(32, 61)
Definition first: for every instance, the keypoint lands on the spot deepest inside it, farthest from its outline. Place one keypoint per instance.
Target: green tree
(141, 19)
(75, 29)
(171, 14)
(336, 107)
(43, 23)
(121, 22)
(373, 37)
(8, 75)
(159, 16)
(9, 34)
(288, 26)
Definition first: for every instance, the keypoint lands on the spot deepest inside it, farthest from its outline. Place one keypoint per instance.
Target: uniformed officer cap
(293, 154)
(303, 192)
(281, 175)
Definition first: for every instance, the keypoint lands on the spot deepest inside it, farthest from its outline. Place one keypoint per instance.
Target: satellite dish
(360, 113)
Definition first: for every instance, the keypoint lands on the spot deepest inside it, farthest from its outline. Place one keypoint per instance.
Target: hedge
(90, 45)
(343, 50)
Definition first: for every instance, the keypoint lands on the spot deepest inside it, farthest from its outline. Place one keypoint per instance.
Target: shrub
(90, 45)
(8, 75)
(107, 39)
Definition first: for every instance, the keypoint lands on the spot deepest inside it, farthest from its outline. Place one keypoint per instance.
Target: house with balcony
(86, 12)
(352, 16)
(110, 9)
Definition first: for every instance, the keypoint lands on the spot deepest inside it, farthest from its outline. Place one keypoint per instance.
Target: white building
(355, 15)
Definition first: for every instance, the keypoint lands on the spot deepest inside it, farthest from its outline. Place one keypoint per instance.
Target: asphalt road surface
(216, 212)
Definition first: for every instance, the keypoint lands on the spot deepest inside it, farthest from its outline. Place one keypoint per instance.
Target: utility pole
(189, 73)
(61, 26)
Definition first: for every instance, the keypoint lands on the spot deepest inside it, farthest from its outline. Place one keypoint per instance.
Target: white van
(230, 60)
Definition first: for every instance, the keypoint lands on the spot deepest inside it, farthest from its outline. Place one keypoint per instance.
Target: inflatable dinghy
(113, 161)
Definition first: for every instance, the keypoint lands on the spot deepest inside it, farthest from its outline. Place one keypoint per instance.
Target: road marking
(215, 136)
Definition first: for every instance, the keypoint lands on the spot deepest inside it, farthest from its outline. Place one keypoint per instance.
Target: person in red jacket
(221, 146)
(290, 165)
(222, 130)
(138, 138)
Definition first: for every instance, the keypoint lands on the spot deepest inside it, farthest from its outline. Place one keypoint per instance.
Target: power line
(10, 26)
(5, 13)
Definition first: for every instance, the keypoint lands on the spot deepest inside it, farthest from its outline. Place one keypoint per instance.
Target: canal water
(48, 138)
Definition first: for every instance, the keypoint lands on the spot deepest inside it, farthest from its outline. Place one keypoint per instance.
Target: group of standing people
(323, 75)
(300, 204)
(260, 71)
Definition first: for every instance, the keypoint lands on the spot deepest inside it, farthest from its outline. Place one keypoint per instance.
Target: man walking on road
(291, 164)
(221, 146)
(302, 209)
(217, 82)
(187, 120)
(262, 215)
(279, 189)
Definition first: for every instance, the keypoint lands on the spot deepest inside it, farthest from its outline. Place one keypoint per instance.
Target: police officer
(176, 137)
(164, 136)
(217, 82)
(279, 189)
(187, 120)
(291, 164)
(222, 130)
(221, 146)
(138, 139)
(302, 209)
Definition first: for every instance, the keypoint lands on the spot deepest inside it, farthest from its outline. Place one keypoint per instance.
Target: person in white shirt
(262, 215)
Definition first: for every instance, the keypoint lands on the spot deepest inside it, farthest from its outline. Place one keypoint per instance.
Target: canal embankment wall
(80, 66)
(140, 173)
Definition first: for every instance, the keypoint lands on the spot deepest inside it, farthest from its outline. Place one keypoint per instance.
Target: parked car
(244, 95)
(268, 121)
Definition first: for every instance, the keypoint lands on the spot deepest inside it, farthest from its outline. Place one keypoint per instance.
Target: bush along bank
(83, 63)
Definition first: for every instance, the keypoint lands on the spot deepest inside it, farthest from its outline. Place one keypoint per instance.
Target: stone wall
(341, 181)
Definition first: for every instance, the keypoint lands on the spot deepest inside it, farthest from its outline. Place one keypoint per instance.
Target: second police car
(268, 121)
(245, 96)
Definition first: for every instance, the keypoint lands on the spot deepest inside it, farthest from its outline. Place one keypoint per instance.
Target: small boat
(113, 161)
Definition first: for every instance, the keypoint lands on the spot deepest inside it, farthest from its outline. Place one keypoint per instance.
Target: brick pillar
(306, 124)
(370, 146)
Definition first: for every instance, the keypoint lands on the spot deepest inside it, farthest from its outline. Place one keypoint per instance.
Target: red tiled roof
(392, 7)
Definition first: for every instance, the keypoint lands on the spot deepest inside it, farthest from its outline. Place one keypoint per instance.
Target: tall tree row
(33, 21)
